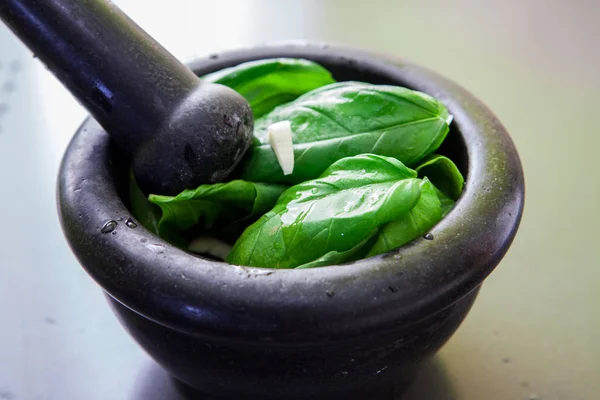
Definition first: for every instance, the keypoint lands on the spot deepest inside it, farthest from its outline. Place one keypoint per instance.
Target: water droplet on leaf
(130, 223)
(428, 236)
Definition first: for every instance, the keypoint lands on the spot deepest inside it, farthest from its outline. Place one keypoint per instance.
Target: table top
(533, 332)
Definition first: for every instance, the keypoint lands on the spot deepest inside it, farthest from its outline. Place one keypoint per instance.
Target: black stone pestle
(178, 131)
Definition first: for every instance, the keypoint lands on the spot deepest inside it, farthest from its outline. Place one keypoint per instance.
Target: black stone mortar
(353, 331)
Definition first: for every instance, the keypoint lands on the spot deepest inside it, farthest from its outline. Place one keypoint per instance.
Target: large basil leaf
(422, 217)
(327, 219)
(265, 84)
(346, 119)
(228, 203)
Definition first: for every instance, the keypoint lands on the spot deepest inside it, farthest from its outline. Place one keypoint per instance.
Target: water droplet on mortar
(156, 248)
(109, 226)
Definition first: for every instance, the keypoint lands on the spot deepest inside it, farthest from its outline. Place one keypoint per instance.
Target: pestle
(178, 131)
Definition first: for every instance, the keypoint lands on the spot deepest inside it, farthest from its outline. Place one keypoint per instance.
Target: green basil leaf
(146, 213)
(265, 84)
(422, 217)
(328, 218)
(337, 257)
(346, 119)
(443, 173)
(226, 203)
(445, 202)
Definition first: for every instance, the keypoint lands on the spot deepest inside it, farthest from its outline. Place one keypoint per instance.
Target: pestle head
(202, 141)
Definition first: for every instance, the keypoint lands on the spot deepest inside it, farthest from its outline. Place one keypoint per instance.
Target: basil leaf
(227, 203)
(337, 257)
(443, 173)
(146, 213)
(442, 185)
(265, 84)
(328, 218)
(445, 202)
(422, 217)
(346, 119)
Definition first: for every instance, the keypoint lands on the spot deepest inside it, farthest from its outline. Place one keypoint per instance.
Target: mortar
(354, 331)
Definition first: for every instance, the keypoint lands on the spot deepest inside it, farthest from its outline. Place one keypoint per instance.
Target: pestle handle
(178, 131)
(123, 77)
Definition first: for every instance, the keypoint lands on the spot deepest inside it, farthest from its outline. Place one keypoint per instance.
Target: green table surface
(534, 330)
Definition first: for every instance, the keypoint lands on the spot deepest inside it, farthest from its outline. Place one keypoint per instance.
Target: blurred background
(532, 334)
